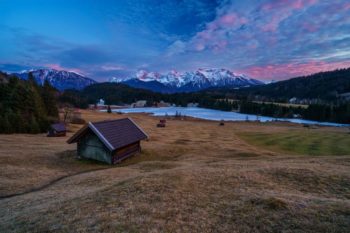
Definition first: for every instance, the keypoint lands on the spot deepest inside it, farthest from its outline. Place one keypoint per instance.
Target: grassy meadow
(305, 142)
(191, 176)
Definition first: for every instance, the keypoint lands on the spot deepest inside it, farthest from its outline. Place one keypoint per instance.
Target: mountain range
(320, 85)
(325, 85)
(61, 80)
(174, 81)
(171, 82)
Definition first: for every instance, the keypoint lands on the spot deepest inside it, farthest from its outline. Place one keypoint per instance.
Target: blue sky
(264, 39)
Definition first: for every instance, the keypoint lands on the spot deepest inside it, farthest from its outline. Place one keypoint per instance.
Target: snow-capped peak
(60, 79)
(26, 71)
(119, 79)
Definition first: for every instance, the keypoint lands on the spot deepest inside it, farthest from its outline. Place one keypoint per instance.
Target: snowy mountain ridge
(189, 81)
(60, 79)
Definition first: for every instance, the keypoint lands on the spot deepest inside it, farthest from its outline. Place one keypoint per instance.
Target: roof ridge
(137, 126)
(94, 122)
(101, 136)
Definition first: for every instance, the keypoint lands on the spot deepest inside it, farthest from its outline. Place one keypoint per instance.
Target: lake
(216, 115)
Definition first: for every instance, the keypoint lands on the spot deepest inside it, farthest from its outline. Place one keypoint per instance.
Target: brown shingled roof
(114, 133)
(59, 127)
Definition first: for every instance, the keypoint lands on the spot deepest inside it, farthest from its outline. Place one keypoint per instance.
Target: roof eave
(76, 136)
(101, 137)
(138, 127)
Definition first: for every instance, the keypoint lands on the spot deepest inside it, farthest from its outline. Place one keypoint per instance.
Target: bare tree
(67, 114)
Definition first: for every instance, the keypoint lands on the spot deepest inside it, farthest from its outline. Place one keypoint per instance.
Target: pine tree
(33, 126)
(14, 122)
(22, 109)
(31, 80)
(48, 96)
(2, 125)
(6, 127)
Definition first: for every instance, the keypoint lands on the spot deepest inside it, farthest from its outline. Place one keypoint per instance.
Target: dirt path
(67, 177)
(52, 182)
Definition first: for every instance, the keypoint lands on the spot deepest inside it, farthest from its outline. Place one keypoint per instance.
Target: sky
(264, 39)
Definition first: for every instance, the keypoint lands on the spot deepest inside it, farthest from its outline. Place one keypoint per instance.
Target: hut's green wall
(91, 147)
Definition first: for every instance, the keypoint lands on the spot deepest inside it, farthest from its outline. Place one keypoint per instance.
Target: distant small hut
(109, 141)
(161, 123)
(57, 130)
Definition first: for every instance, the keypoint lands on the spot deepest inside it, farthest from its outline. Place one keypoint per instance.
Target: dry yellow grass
(192, 176)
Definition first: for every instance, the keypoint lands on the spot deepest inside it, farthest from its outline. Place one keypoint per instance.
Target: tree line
(324, 86)
(118, 94)
(26, 107)
(339, 113)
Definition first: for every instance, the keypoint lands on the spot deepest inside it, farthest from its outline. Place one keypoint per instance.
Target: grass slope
(302, 142)
(192, 176)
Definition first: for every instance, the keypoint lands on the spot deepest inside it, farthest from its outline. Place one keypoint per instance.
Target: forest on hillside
(119, 94)
(324, 87)
(26, 107)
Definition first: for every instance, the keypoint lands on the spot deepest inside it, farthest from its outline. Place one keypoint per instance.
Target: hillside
(192, 176)
(3, 78)
(120, 94)
(116, 93)
(325, 86)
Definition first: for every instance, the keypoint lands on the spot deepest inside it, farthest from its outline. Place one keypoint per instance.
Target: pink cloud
(284, 9)
(226, 21)
(199, 47)
(288, 4)
(273, 24)
(300, 4)
(253, 46)
(214, 36)
(222, 44)
(59, 67)
(310, 27)
(289, 70)
(206, 35)
(346, 6)
(231, 19)
(111, 67)
(219, 46)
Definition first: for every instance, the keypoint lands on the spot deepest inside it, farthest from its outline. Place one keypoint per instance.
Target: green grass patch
(301, 142)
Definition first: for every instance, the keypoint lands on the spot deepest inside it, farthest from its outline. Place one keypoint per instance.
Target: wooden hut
(161, 123)
(109, 141)
(57, 130)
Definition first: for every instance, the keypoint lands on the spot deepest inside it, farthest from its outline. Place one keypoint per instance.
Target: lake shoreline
(217, 115)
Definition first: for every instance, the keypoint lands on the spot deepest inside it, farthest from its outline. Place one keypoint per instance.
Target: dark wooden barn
(57, 130)
(109, 141)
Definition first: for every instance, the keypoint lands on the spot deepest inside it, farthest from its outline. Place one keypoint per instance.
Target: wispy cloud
(266, 38)
(306, 35)
(282, 71)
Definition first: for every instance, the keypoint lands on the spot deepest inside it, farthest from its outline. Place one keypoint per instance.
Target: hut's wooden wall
(91, 147)
(124, 152)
